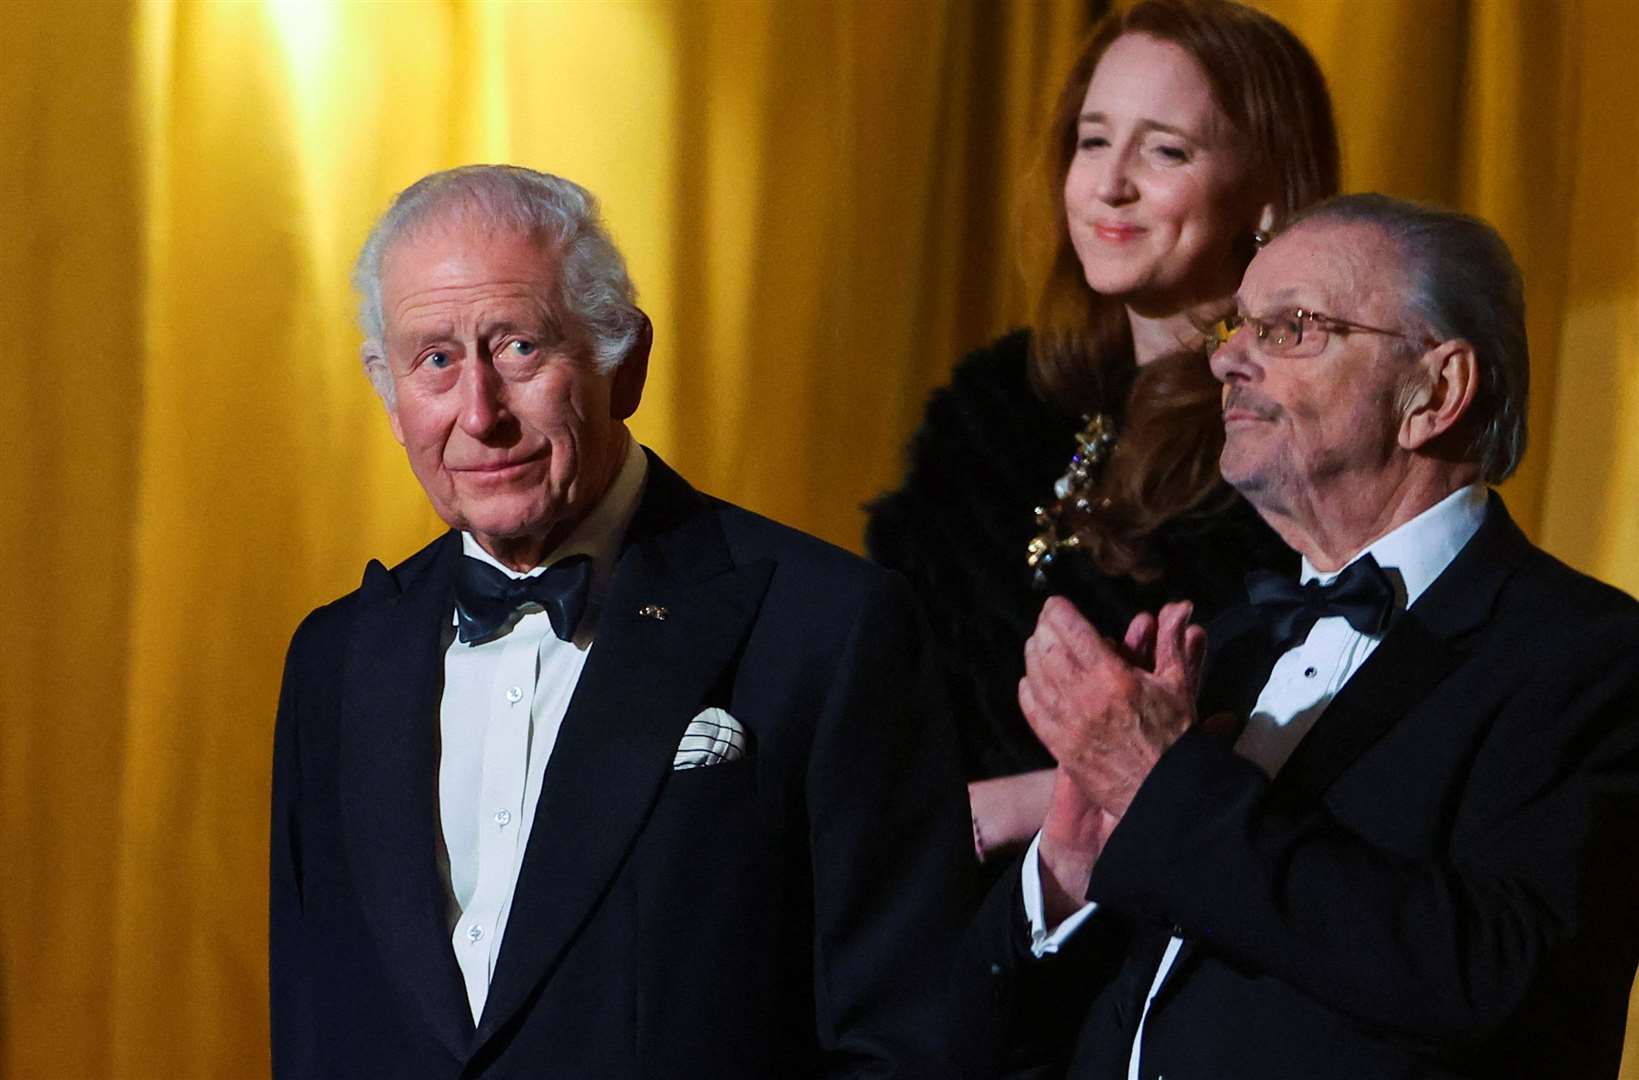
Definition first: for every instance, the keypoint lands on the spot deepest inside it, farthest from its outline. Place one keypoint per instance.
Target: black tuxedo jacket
(1443, 880)
(782, 915)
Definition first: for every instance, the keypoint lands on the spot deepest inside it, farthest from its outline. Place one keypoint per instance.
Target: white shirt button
(514, 694)
(502, 817)
(475, 932)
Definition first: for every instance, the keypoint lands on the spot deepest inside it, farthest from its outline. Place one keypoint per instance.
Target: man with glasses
(1392, 830)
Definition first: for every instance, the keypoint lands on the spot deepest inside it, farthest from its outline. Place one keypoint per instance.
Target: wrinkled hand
(1105, 718)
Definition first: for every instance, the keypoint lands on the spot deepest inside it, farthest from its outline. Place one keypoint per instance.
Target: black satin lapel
(388, 761)
(1461, 599)
(1401, 672)
(644, 680)
(1420, 649)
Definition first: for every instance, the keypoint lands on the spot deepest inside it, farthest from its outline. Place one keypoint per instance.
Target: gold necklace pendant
(1073, 490)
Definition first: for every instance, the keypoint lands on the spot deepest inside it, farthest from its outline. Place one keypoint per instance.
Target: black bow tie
(1361, 594)
(485, 598)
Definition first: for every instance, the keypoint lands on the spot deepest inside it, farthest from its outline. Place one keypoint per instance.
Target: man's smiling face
(507, 422)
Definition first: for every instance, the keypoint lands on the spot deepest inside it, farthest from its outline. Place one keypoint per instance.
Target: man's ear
(381, 377)
(1438, 394)
(627, 388)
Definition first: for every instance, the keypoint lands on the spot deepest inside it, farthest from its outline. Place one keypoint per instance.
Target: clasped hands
(1106, 713)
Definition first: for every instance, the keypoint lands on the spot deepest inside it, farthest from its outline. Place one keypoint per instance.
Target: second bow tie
(1362, 594)
(486, 598)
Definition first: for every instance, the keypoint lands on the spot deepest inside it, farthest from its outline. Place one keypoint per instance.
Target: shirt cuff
(1043, 943)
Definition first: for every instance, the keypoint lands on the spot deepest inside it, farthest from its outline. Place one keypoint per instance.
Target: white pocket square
(712, 738)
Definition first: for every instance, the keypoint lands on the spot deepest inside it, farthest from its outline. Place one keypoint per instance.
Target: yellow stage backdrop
(816, 197)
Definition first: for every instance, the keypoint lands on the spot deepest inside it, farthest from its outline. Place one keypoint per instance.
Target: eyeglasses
(1298, 333)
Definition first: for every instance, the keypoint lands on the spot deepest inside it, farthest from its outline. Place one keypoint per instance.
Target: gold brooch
(1073, 490)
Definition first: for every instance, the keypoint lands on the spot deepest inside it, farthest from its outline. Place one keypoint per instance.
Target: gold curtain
(817, 199)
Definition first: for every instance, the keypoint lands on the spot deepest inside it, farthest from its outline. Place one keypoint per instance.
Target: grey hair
(593, 286)
(1461, 281)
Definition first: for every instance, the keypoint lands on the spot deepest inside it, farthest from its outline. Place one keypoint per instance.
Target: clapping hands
(1107, 713)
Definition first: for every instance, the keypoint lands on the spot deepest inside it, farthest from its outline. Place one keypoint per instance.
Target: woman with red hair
(1080, 456)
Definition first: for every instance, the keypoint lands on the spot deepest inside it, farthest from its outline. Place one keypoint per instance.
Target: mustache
(1247, 400)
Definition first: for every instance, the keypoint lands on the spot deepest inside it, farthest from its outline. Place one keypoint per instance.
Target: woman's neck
(1155, 336)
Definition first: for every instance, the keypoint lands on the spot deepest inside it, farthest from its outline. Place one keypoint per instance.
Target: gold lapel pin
(653, 611)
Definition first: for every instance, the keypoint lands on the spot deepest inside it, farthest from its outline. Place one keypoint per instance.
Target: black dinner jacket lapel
(643, 682)
(388, 777)
(1424, 644)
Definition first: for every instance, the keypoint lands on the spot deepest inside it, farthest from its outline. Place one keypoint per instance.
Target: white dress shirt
(504, 700)
(1302, 683)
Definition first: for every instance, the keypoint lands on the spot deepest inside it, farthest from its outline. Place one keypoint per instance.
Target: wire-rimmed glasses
(1298, 332)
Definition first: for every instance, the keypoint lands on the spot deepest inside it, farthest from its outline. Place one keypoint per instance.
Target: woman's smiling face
(1158, 196)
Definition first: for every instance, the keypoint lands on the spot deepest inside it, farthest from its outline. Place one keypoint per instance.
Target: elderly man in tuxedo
(1395, 832)
(612, 779)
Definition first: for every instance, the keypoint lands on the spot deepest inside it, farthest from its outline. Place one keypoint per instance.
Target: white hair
(593, 287)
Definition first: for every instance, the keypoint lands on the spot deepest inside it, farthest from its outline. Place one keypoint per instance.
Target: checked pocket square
(713, 738)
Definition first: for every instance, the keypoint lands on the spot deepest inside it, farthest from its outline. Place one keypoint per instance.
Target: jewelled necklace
(1072, 491)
